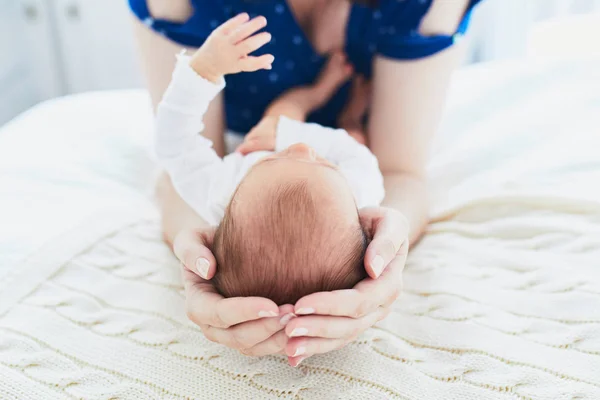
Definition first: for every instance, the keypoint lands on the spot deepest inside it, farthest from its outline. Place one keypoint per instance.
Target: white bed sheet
(516, 211)
(66, 159)
(70, 157)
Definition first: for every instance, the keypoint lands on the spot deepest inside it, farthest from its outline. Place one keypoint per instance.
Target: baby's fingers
(253, 43)
(248, 29)
(255, 144)
(245, 148)
(232, 24)
(251, 64)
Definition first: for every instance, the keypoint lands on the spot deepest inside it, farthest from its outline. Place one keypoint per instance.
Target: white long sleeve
(202, 179)
(355, 161)
(206, 182)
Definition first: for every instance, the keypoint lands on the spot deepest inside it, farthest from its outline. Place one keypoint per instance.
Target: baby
(286, 203)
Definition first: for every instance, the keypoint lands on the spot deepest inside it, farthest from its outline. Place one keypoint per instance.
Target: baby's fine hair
(286, 250)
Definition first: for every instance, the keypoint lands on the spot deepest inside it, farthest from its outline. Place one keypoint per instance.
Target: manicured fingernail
(299, 361)
(286, 318)
(377, 265)
(269, 67)
(264, 314)
(305, 311)
(299, 332)
(299, 351)
(202, 265)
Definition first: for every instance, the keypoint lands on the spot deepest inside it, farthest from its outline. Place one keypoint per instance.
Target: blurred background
(52, 48)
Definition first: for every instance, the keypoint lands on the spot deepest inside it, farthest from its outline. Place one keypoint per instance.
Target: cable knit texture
(501, 299)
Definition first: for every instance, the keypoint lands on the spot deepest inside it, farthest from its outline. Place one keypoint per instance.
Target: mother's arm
(408, 101)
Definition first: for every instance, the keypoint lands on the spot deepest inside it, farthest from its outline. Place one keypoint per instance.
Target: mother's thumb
(190, 247)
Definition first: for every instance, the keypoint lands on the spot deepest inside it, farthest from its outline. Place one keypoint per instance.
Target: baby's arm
(186, 155)
(352, 116)
(198, 174)
(354, 160)
(298, 102)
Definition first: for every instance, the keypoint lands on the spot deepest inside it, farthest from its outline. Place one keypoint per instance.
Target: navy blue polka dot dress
(389, 29)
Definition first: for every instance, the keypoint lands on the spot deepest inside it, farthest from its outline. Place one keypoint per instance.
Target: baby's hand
(261, 138)
(226, 49)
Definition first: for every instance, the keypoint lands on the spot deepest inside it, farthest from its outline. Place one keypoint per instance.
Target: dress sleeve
(207, 15)
(396, 29)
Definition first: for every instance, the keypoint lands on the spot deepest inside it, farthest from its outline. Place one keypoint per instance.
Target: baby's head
(291, 229)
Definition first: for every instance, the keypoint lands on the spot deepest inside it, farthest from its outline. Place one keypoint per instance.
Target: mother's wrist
(177, 215)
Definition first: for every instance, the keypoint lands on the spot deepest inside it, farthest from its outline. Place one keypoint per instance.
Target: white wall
(96, 42)
(18, 90)
(50, 48)
(500, 28)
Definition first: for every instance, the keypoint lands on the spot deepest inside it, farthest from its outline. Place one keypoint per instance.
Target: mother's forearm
(407, 193)
(176, 214)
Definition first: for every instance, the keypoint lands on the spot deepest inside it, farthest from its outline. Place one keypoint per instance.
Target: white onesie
(206, 182)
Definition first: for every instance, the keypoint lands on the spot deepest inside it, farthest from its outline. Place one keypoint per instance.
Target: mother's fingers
(346, 303)
(207, 307)
(303, 350)
(191, 248)
(389, 230)
(273, 345)
(363, 299)
(248, 335)
(384, 290)
(332, 327)
(324, 334)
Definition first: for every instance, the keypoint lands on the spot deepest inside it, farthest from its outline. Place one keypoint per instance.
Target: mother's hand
(252, 325)
(329, 320)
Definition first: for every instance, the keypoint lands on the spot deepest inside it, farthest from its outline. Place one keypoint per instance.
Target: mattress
(501, 297)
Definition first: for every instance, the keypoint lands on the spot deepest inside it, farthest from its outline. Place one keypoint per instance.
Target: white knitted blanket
(501, 298)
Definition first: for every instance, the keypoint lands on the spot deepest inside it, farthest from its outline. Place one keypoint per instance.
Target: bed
(501, 297)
